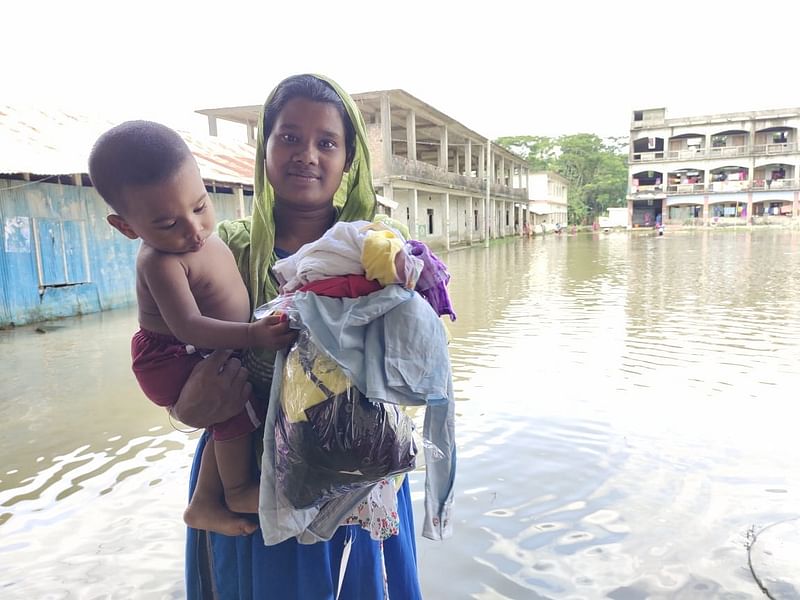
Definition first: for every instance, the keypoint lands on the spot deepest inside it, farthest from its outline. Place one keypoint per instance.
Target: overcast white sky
(500, 67)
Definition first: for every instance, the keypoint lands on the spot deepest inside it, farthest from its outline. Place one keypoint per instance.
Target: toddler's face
(174, 216)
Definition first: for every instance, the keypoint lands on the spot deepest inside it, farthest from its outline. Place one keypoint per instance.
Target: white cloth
(337, 252)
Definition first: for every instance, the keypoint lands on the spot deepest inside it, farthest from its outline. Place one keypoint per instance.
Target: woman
(312, 169)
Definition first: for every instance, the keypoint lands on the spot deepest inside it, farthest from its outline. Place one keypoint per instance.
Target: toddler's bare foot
(214, 516)
(242, 499)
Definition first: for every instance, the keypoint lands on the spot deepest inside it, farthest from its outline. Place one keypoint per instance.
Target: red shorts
(162, 364)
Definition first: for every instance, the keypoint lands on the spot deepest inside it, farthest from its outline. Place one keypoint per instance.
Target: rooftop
(47, 143)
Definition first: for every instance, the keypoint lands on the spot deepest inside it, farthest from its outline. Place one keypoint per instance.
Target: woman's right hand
(216, 390)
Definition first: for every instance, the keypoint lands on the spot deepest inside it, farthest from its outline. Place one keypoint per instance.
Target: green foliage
(539, 150)
(597, 170)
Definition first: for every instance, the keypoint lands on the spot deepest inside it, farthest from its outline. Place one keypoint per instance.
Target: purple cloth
(432, 282)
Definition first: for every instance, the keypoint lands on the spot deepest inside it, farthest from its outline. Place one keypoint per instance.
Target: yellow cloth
(299, 392)
(394, 224)
(378, 255)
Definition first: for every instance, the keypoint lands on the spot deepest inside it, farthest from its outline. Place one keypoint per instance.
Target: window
(475, 216)
(719, 141)
(779, 137)
(430, 221)
(638, 115)
(60, 250)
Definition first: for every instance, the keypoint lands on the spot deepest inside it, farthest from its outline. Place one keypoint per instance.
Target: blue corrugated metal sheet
(82, 265)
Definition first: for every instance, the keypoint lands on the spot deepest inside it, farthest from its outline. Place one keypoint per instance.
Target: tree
(597, 170)
(539, 150)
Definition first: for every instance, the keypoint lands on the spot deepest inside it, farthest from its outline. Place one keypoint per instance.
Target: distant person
(191, 298)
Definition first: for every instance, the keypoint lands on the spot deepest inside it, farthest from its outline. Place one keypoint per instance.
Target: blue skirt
(219, 567)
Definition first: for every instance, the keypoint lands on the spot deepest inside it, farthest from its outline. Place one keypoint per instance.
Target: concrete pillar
(446, 220)
(411, 134)
(443, 148)
(492, 216)
(468, 158)
(487, 202)
(240, 197)
(630, 214)
(386, 132)
(251, 134)
(705, 209)
(482, 163)
(413, 225)
(749, 207)
(471, 220)
(212, 125)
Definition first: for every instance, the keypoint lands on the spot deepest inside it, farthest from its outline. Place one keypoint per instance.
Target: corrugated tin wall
(59, 257)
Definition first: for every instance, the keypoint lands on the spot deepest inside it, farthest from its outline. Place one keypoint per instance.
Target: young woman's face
(306, 154)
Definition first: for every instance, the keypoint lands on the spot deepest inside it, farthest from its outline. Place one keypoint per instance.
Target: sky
(500, 68)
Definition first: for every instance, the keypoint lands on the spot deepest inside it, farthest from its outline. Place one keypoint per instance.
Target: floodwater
(626, 416)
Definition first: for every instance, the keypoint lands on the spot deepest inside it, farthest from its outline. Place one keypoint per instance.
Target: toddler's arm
(168, 284)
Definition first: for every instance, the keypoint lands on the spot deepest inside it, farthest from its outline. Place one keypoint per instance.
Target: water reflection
(624, 416)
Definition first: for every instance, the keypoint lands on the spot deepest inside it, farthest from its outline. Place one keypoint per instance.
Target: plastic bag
(329, 438)
(282, 304)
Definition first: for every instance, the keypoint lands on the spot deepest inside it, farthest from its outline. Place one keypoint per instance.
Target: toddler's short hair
(134, 153)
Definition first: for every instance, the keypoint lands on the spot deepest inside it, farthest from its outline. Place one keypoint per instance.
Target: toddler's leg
(207, 509)
(235, 470)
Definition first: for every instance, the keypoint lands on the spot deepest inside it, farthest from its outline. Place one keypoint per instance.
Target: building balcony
(422, 172)
(785, 148)
(775, 184)
(647, 156)
(717, 187)
(715, 152)
(686, 154)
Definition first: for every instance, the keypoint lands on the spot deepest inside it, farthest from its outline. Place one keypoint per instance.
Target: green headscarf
(252, 239)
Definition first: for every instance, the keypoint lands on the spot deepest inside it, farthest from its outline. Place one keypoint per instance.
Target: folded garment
(432, 282)
(346, 286)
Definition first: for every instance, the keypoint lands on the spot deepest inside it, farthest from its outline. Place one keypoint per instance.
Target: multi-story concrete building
(431, 169)
(714, 169)
(547, 195)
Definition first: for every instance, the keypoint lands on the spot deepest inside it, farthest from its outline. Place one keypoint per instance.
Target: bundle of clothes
(367, 302)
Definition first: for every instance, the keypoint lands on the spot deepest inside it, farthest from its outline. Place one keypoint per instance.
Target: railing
(774, 148)
(427, 173)
(774, 184)
(686, 188)
(647, 156)
(719, 186)
(686, 154)
(647, 188)
(727, 151)
(714, 152)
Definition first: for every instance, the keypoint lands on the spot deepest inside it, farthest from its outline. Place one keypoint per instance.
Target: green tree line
(597, 169)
